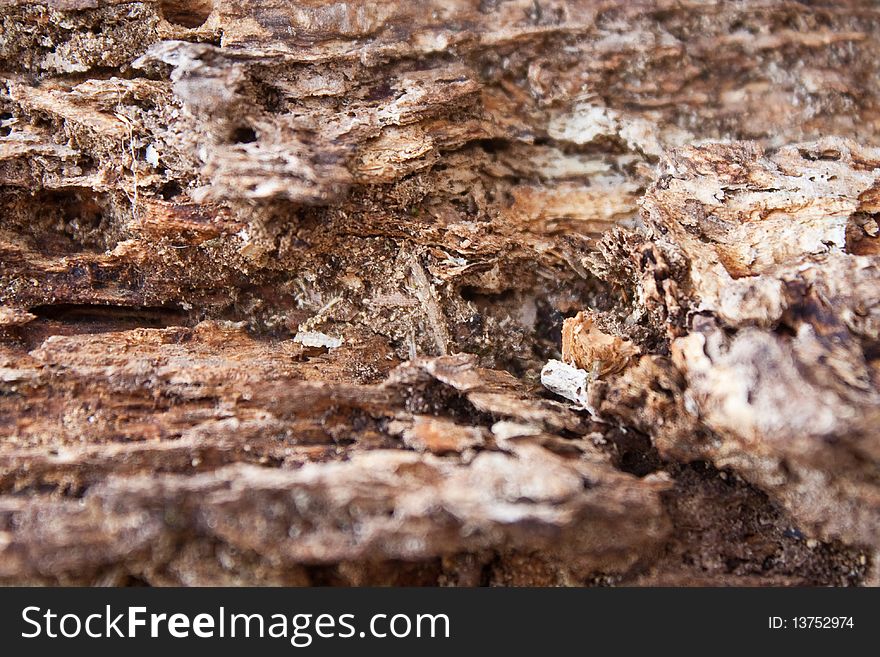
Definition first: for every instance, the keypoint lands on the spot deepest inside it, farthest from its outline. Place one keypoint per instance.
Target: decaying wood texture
(280, 282)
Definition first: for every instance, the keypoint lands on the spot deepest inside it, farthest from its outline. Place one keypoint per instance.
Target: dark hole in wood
(187, 14)
(244, 135)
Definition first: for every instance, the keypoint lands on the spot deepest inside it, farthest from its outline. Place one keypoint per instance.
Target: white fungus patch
(566, 381)
(317, 339)
(151, 155)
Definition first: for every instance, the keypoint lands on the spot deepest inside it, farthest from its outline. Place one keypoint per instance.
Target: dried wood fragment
(591, 349)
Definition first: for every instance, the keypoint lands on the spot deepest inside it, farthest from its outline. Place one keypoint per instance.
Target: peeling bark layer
(278, 280)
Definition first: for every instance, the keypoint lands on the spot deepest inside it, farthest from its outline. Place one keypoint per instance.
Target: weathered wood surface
(278, 280)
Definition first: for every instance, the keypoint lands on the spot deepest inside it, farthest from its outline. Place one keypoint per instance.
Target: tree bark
(280, 283)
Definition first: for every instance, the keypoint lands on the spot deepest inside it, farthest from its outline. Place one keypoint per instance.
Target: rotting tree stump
(278, 281)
